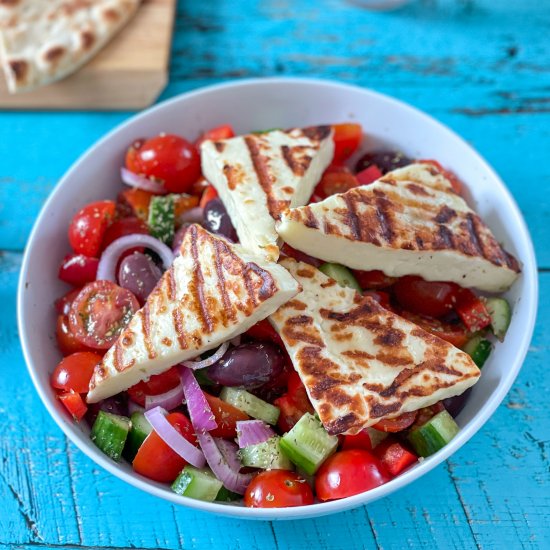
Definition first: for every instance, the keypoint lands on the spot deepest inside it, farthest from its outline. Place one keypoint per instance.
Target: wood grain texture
(480, 66)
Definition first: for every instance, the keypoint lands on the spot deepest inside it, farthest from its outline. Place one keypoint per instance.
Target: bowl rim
(317, 510)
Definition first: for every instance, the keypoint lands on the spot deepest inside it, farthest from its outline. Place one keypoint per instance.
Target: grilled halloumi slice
(259, 176)
(359, 362)
(213, 291)
(409, 222)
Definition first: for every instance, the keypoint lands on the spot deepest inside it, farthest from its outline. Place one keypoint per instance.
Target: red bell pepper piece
(74, 404)
(368, 175)
(394, 455)
(472, 310)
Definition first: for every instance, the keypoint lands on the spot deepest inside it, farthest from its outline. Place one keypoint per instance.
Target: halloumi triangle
(360, 362)
(409, 222)
(213, 291)
(260, 176)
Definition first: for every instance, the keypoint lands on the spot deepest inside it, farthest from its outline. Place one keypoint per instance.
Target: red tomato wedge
(156, 460)
(264, 332)
(455, 182)
(157, 384)
(368, 175)
(374, 279)
(226, 417)
(457, 335)
(358, 441)
(278, 489)
(89, 225)
(347, 137)
(397, 424)
(431, 298)
(75, 371)
(74, 404)
(336, 179)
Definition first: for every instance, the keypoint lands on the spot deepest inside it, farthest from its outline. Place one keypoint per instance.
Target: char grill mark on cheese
(197, 285)
(228, 313)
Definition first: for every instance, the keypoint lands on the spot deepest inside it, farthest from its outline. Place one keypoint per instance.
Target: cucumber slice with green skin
(250, 404)
(501, 314)
(434, 434)
(200, 484)
(342, 275)
(139, 430)
(109, 433)
(225, 495)
(267, 455)
(479, 349)
(162, 220)
(308, 444)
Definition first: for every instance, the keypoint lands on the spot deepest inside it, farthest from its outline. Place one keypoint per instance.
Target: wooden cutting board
(129, 73)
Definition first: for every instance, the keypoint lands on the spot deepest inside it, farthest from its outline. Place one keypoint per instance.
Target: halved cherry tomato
(123, 227)
(215, 134)
(77, 269)
(368, 175)
(287, 250)
(297, 392)
(292, 407)
(264, 332)
(358, 441)
(167, 158)
(156, 460)
(278, 489)
(74, 404)
(89, 225)
(472, 310)
(394, 455)
(347, 137)
(226, 417)
(208, 194)
(63, 303)
(348, 473)
(75, 371)
(455, 182)
(100, 312)
(157, 384)
(373, 279)
(431, 298)
(383, 298)
(336, 179)
(457, 335)
(134, 202)
(66, 340)
(398, 424)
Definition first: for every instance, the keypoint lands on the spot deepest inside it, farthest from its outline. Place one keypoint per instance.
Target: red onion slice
(229, 451)
(252, 432)
(200, 412)
(168, 400)
(221, 466)
(106, 270)
(193, 215)
(194, 365)
(141, 182)
(173, 438)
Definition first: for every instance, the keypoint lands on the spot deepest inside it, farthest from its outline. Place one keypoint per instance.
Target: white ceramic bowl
(257, 104)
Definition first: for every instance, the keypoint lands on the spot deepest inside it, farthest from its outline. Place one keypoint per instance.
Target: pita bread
(42, 41)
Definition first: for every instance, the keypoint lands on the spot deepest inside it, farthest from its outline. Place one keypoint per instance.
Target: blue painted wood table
(480, 66)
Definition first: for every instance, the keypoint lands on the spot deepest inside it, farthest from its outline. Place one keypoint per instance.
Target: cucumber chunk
(161, 220)
(225, 495)
(342, 275)
(267, 455)
(139, 430)
(479, 349)
(501, 315)
(200, 484)
(109, 433)
(308, 444)
(250, 404)
(434, 434)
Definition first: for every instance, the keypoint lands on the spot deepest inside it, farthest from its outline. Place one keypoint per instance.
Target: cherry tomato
(208, 194)
(123, 227)
(368, 175)
(455, 182)
(373, 279)
(431, 298)
(297, 392)
(75, 371)
(100, 312)
(215, 134)
(77, 269)
(291, 411)
(398, 424)
(358, 441)
(347, 137)
(66, 340)
(156, 460)
(63, 303)
(134, 202)
(278, 489)
(157, 384)
(74, 404)
(226, 417)
(348, 473)
(455, 334)
(336, 179)
(89, 225)
(169, 159)
(264, 332)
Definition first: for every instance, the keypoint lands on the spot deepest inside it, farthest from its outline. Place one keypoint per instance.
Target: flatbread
(42, 41)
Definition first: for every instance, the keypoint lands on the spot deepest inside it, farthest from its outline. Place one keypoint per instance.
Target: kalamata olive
(118, 404)
(455, 404)
(385, 160)
(139, 274)
(248, 365)
(217, 220)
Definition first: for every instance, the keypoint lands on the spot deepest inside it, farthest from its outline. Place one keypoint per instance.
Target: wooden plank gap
(372, 529)
(73, 490)
(274, 535)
